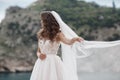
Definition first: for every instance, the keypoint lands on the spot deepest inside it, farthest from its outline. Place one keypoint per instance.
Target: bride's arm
(69, 41)
(38, 52)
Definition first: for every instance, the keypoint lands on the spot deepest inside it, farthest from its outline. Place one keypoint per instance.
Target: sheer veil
(72, 54)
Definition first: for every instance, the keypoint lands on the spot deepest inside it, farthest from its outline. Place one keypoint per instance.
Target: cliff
(18, 42)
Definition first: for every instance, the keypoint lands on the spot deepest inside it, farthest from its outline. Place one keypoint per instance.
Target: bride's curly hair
(50, 27)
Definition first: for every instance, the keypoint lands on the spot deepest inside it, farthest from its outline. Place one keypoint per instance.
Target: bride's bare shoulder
(61, 35)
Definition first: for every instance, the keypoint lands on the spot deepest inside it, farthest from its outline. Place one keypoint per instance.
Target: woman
(54, 33)
(48, 65)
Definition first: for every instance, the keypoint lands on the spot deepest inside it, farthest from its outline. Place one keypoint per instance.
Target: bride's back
(48, 47)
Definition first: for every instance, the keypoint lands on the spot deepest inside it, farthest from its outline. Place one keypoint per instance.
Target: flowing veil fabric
(72, 54)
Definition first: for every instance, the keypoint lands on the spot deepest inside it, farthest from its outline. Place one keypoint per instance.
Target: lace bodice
(47, 47)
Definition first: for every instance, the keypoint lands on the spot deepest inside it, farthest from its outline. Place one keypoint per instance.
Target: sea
(82, 76)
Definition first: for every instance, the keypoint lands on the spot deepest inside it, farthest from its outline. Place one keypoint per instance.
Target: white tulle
(52, 68)
(79, 50)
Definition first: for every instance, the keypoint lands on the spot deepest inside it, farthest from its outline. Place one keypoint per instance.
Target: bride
(54, 33)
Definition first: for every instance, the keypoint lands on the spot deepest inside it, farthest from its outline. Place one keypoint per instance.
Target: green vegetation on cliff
(18, 41)
(79, 14)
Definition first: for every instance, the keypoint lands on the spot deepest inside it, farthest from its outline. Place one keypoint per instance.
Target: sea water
(82, 76)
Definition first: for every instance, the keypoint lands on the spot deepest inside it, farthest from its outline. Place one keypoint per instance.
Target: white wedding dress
(52, 67)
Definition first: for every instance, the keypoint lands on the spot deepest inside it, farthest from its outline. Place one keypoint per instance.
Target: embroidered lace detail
(47, 47)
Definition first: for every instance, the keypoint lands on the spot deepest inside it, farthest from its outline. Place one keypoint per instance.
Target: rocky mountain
(18, 42)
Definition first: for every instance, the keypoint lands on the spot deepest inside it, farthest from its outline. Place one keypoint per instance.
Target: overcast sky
(106, 2)
(4, 4)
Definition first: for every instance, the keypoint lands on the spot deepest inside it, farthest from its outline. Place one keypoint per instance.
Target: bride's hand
(41, 55)
(79, 39)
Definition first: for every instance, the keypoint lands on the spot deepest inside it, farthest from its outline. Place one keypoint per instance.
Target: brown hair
(50, 26)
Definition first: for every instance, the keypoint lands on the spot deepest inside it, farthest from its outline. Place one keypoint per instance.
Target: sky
(106, 2)
(4, 4)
